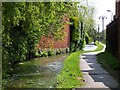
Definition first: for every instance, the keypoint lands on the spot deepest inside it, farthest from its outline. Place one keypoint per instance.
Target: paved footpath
(94, 75)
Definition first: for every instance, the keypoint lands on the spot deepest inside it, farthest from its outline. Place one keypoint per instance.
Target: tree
(24, 24)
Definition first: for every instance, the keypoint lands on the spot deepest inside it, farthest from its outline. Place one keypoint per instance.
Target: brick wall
(113, 37)
(118, 53)
(117, 9)
(113, 34)
(47, 42)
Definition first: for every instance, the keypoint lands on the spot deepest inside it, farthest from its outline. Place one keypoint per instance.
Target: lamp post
(111, 14)
(103, 17)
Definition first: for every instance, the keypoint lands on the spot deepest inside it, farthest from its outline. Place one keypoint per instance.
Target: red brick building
(113, 33)
(117, 9)
(47, 42)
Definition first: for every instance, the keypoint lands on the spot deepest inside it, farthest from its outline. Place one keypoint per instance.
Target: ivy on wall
(82, 27)
(24, 24)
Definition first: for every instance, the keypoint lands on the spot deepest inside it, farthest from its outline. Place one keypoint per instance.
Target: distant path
(94, 75)
(89, 47)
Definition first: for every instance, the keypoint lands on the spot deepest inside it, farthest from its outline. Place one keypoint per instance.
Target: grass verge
(107, 58)
(110, 63)
(99, 47)
(70, 76)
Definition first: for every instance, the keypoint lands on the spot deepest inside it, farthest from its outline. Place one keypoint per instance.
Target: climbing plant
(23, 25)
(82, 26)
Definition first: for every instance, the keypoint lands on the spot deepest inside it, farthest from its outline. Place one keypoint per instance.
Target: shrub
(45, 54)
(72, 48)
(67, 50)
(40, 52)
(58, 51)
(50, 52)
(37, 53)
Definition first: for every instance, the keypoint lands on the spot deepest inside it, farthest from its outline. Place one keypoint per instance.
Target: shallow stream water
(37, 73)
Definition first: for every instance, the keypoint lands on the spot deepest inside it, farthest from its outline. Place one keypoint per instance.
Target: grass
(110, 63)
(99, 47)
(106, 58)
(70, 76)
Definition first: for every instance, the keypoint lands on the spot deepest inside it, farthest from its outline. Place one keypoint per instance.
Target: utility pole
(103, 17)
(98, 34)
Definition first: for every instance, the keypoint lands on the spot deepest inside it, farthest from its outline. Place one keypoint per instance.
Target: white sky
(101, 7)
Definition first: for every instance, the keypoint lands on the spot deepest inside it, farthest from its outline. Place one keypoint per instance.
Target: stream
(37, 73)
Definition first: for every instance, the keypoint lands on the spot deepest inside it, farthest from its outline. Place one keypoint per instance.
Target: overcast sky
(101, 7)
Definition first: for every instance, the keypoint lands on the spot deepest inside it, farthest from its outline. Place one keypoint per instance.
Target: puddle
(37, 73)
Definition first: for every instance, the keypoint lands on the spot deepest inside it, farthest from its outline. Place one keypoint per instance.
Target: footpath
(94, 75)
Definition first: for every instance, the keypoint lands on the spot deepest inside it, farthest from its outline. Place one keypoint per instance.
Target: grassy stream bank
(70, 76)
(41, 72)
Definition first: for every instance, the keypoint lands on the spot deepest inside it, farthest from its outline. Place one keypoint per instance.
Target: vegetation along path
(94, 75)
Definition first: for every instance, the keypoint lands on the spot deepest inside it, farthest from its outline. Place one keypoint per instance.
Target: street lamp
(111, 14)
(103, 17)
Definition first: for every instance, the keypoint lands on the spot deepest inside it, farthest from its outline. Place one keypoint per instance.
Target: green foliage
(99, 46)
(45, 54)
(70, 76)
(77, 35)
(23, 25)
(58, 51)
(89, 38)
(50, 52)
(102, 36)
(87, 14)
(67, 50)
(82, 24)
(76, 32)
(107, 59)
